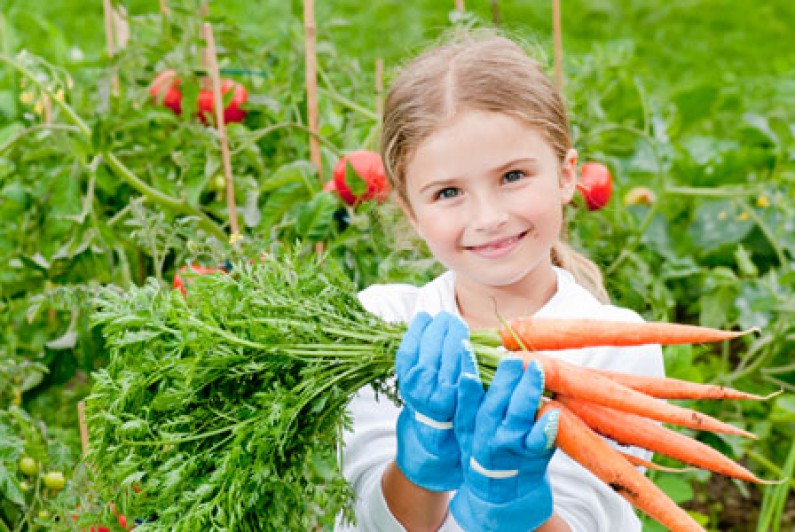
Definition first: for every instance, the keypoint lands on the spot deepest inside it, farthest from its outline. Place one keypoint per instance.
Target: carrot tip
(772, 395)
(749, 435)
(771, 482)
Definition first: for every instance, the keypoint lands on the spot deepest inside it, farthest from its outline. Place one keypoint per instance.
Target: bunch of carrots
(626, 408)
(254, 369)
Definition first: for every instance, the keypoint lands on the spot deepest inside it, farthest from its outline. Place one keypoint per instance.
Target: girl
(476, 145)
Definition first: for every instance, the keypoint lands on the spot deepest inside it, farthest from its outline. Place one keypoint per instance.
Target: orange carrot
(592, 452)
(541, 334)
(668, 388)
(575, 381)
(630, 429)
(640, 462)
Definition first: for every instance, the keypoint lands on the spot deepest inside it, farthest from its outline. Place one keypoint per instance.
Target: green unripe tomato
(28, 466)
(54, 480)
(44, 514)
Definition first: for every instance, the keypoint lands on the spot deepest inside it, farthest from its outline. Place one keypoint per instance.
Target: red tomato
(233, 111)
(165, 89)
(369, 167)
(122, 521)
(179, 282)
(596, 185)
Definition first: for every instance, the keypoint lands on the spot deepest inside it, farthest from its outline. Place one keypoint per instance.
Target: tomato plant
(165, 90)
(360, 176)
(233, 111)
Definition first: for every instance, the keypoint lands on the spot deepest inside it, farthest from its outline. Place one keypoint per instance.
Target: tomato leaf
(356, 184)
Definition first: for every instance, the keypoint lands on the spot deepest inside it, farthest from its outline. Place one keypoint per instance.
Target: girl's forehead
(477, 140)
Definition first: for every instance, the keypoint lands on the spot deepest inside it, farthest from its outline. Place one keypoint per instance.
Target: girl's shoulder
(398, 302)
(572, 300)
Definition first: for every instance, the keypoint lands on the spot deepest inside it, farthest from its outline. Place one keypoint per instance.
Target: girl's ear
(406, 208)
(568, 176)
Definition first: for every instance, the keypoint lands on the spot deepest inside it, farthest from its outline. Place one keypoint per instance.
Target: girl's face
(486, 192)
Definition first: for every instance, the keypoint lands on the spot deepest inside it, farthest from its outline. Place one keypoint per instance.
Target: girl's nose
(488, 215)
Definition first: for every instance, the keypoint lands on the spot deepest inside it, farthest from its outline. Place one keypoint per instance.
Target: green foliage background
(694, 100)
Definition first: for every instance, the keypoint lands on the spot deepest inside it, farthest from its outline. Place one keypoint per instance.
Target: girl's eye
(513, 176)
(447, 193)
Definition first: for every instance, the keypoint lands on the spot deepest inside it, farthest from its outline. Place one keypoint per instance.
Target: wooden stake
(110, 45)
(81, 419)
(496, 14)
(164, 7)
(218, 105)
(379, 87)
(558, 38)
(459, 5)
(204, 12)
(311, 87)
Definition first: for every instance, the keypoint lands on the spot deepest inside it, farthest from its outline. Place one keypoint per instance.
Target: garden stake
(81, 419)
(379, 87)
(312, 113)
(215, 77)
(496, 14)
(558, 37)
(311, 86)
(107, 8)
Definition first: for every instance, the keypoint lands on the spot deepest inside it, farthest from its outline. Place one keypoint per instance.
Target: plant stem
(762, 460)
(630, 247)
(782, 258)
(180, 206)
(38, 127)
(254, 136)
(713, 192)
(73, 116)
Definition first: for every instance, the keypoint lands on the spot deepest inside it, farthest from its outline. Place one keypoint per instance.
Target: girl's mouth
(497, 248)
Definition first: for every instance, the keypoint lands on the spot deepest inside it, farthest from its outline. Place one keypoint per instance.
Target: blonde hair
(478, 72)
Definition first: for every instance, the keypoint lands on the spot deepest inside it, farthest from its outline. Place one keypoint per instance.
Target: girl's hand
(505, 451)
(428, 366)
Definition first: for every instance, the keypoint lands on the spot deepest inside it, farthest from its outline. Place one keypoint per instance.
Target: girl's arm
(555, 524)
(416, 508)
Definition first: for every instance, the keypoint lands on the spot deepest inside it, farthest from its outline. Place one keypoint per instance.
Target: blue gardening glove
(428, 366)
(505, 452)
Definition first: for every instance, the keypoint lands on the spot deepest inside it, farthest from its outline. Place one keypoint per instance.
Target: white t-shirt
(581, 499)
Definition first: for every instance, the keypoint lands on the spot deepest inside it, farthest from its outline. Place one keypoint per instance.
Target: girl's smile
(498, 248)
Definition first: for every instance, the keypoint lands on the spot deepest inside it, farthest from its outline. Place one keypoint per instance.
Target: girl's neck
(479, 305)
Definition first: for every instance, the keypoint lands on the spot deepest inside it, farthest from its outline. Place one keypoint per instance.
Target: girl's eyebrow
(513, 163)
(438, 183)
